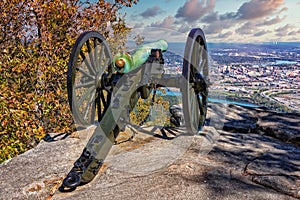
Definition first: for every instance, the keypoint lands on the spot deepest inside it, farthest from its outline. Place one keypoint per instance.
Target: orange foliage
(36, 38)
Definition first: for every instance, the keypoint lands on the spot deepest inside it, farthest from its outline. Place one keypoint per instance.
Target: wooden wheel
(194, 89)
(89, 70)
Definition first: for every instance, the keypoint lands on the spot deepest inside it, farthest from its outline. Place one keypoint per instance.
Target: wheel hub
(98, 81)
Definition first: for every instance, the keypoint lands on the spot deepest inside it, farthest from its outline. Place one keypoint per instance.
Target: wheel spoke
(93, 110)
(200, 104)
(202, 65)
(107, 64)
(200, 69)
(204, 60)
(102, 53)
(87, 84)
(98, 101)
(91, 57)
(85, 73)
(198, 56)
(195, 114)
(101, 57)
(85, 95)
(205, 65)
(88, 106)
(96, 49)
(103, 99)
(87, 62)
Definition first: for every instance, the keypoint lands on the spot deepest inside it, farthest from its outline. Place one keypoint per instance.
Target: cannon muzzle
(124, 62)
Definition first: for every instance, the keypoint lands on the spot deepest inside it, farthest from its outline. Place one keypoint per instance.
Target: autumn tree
(36, 38)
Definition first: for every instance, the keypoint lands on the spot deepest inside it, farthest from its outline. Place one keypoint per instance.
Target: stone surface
(285, 127)
(164, 163)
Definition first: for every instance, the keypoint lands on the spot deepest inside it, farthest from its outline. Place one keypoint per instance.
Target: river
(212, 100)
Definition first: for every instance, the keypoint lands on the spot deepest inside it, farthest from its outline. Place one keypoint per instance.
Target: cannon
(103, 89)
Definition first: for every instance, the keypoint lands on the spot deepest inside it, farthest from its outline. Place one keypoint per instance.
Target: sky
(246, 21)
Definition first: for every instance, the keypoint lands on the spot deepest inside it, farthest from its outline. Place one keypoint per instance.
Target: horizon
(179, 47)
(254, 43)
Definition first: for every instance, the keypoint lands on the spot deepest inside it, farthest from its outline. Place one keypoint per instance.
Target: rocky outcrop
(283, 126)
(165, 163)
(176, 118)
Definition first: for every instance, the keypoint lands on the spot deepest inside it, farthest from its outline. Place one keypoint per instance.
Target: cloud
(218, 26)
(216, 23)
(168, 22)
(252, 19)
(138, 25)
(184, 28)
(249, 16)
(293, 33)
(258, 8)
(255, 9)
(283, 10)
(247, 28)
(275, 20)
(151, 12)
(284, 30)
(211, 17)
(155, 33)
(225, 35)
(298, 31)
(193, 10)
(261, 33)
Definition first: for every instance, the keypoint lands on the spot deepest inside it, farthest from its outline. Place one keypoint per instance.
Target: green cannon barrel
(124, 62)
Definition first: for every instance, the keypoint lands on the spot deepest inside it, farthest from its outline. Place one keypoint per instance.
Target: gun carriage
(103, 89)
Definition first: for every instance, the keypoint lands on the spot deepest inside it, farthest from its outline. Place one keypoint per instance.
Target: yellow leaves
(58, 92)
(33, 73)
(16, 69)
(127, 3)
(39, 133)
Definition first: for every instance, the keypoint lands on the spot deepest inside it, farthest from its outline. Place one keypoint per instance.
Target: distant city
(266, 74)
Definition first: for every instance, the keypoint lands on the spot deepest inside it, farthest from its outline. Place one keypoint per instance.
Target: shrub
(36, 38)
